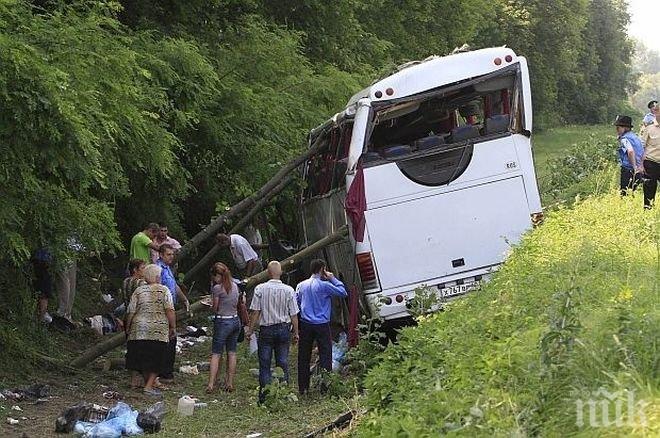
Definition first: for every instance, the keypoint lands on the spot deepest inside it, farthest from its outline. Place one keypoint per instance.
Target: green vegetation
(574, 309)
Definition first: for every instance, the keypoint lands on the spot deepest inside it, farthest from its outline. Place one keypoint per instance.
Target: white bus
(443, 147)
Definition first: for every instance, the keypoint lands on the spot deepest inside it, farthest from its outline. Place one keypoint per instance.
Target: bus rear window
(457, 115)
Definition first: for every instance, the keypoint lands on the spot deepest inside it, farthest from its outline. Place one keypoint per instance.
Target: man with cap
(649, 119)
(631, 154)
(651, 141)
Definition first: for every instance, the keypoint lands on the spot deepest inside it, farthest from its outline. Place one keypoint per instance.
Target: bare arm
(171, 320)
(631, 157)
(182, 297)
(296, 333)
(129, 321)
(254, 317)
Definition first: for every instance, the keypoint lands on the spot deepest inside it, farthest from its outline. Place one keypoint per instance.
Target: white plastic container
(186, 406)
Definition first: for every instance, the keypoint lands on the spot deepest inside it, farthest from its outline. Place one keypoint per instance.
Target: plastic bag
(253, 344)
(121, 420)
(151, 419)
(339, 351)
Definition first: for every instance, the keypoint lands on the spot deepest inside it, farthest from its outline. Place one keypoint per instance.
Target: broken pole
(216, 224)
(210, 255)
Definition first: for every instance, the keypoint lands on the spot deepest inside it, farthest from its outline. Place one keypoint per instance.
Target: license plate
(459, 289)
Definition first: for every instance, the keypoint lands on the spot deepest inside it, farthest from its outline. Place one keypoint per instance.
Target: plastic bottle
(199, 405)
(186, 406)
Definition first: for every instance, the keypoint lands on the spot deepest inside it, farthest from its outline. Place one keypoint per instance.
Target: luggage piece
(396, 151)
(429, 142)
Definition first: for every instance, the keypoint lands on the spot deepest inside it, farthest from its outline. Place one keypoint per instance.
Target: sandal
(210, 390)
(229, 388)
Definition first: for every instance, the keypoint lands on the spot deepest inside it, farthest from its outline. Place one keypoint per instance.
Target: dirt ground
(235, 414)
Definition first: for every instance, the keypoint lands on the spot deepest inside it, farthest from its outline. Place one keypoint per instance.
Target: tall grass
(574, 309)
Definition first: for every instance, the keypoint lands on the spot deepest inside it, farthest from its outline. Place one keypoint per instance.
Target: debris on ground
(35, 391)
(120, 421)
(16, 408)
(12, 421)
(203, 366)
(254, 435)
(104, 324)
(150, 420)
(88, 412)
(339, 349)
(195, 332)
(189, 369)
(186, 406)
(112, 395)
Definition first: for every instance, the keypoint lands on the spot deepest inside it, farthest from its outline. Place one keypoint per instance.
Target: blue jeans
(225, 334)
(273, 338)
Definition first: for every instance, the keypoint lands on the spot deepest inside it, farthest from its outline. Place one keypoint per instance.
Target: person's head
(623, 124)
(166, 253)
(152, 274)
(223, 240)
(274, 270)
(162, 232)
(220, 274)
(653, 106)
(136, 267)
(151, 230)
(317, 266)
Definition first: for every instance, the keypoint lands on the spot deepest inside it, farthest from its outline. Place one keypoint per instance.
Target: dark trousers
(323, 337)
(168, 360)
(629, 180)
(652, 171)
(273, 339)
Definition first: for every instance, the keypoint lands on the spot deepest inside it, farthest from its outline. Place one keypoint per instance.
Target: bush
(573, 310)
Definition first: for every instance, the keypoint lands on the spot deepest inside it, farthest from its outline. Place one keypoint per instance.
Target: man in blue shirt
(631, 154)
(650, 118)
(314, 297)
(167, 278)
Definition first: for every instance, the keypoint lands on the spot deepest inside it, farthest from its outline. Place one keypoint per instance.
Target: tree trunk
(216, 224)
(116, 340)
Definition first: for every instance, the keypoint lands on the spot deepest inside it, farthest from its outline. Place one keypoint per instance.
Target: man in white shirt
(274, 306)
(245, 258)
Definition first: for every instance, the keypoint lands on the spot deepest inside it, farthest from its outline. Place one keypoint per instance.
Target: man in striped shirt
(274, 306)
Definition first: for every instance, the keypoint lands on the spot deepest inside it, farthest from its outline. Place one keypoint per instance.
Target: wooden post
(215, 225)
(210, 256)
(117, 340)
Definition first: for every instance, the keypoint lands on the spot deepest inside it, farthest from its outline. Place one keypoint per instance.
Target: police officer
(631, 153)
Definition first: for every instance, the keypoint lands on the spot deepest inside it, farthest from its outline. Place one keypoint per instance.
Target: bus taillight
(367, 270)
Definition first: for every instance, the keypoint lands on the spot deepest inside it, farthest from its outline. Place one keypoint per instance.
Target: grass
(575, 308)
(553, 143)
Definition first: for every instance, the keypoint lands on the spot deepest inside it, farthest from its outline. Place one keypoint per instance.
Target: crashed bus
(432, 170)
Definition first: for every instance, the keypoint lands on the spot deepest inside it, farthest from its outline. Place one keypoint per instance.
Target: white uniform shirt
(241, 251)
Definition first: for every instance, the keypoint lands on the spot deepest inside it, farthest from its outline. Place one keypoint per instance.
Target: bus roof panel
(437, 71)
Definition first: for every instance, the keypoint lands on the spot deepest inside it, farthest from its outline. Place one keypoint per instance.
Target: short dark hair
(223, 239)
(316, 265)
(152, 226)
(134, 265)
(163, 225)
(164, 247)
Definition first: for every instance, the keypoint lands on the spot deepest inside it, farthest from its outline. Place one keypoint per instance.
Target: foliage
(581, 161)
(573, 309)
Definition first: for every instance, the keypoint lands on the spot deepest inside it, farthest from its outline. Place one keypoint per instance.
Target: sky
(644, 21)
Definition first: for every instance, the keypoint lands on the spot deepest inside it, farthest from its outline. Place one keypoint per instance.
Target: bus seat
(429, 142)
(497, 123)
(463, 133)
(370, 156)
(396, 150)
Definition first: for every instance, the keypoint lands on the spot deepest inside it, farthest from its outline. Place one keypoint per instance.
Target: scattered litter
(24, 418)
(2, 396)
(151, 419)
(40, 401)
(339, 351)
(104, 324)
(200, 405)
(254, 346)
(16, 408)
(12, 420)
(121, 420)
(35, 390)
(214, 400)
(107, 298)
(87, 412)
(189, 369)
(112, 395)
(254, 435)
(203, 366)
(186, 406)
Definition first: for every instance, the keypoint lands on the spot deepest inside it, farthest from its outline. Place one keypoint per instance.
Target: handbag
(243, 316)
